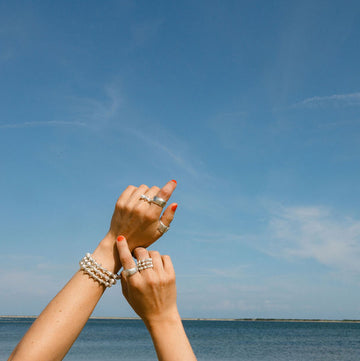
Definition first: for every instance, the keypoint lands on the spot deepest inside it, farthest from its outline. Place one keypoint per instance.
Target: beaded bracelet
(97, 272)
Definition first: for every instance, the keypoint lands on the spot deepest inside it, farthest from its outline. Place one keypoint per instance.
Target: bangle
(97, 272)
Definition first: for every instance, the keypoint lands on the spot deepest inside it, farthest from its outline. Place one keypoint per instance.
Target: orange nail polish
(173, 180)
(120, 238)
(173, 208)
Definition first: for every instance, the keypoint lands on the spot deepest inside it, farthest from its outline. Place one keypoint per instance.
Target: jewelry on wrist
(97, 272)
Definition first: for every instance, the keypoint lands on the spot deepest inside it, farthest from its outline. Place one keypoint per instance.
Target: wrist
(106, 253)
(155, 323)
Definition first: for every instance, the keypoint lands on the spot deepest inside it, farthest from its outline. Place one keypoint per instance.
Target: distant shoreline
(213, 319)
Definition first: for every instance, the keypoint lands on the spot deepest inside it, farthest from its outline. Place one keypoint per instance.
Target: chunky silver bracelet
(97, 272)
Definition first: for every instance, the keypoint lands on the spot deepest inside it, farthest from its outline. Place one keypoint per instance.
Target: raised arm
(151, 292)
(55, 330)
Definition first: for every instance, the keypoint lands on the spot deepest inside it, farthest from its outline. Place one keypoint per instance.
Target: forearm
(60, 323)
(170, 340)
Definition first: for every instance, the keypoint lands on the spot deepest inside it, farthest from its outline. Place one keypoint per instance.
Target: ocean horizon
(255, 319)
(113, 339)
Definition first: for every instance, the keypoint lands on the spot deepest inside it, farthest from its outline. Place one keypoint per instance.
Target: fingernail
(173, 180)
(173, 208)
(120, 238)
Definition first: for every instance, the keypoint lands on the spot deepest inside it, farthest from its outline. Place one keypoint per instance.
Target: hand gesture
(151, 290)
(138, 217)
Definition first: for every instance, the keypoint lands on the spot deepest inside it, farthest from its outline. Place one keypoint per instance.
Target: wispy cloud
(317, 233)
(107, 112)
(335, 100)
(98, 111)
(175, 156)
(83, 112)
(50, 123)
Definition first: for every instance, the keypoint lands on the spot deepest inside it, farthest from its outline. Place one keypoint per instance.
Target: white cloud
(316, 233)
(335, 100)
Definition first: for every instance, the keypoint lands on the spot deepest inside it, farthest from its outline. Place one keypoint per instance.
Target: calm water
(110, 340)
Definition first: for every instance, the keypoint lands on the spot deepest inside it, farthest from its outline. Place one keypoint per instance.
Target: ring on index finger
(159, 201)
(129, 272)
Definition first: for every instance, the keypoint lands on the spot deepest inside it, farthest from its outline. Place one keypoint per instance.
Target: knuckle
(167, 259)
(137, 211)
(136, 284)
(126, 207)
(153, 282)
(155, 189)
(139, 250)
(152, 217)
(154, 254)
(172, 278)
(167, 281)
(166, 192)
(119, 204)
(140, 253)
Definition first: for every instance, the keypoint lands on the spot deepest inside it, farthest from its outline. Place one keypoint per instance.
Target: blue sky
(253, 107)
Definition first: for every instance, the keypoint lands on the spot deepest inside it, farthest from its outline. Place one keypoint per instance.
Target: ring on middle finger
(145, 264)
(145, 198)
(159, 201)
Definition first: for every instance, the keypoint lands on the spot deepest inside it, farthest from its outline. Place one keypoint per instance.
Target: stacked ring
(145, 264)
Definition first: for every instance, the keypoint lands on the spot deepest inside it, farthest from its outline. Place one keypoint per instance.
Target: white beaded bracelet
(97, 272)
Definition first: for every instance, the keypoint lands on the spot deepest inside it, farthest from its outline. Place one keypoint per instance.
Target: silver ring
(145, 198)
(159, 201)
(162, 228)
(129, 272)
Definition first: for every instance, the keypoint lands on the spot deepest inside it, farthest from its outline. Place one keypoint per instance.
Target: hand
(150, 292)
(137, 219)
